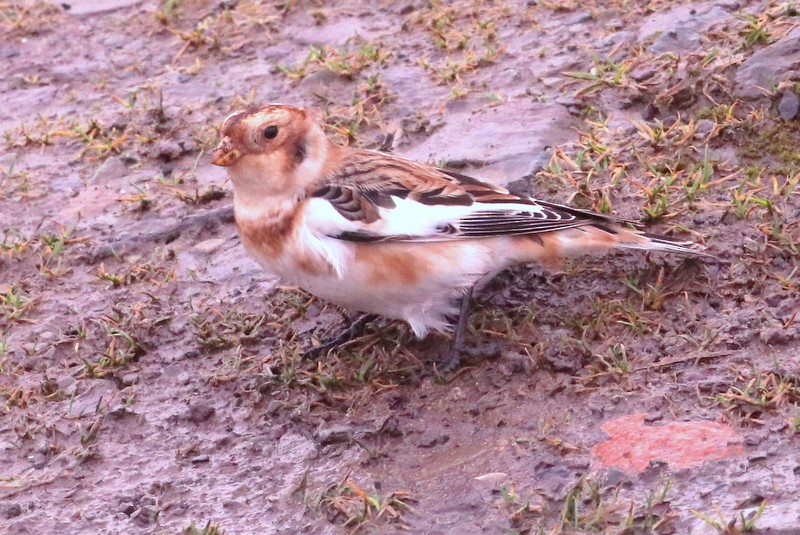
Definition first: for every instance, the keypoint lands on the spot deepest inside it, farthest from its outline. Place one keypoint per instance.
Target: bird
(377, 233)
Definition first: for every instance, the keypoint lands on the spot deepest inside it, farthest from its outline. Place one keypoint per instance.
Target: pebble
(115, 41)
(614, 477)
(704, 128)
(788, 106)
(130, 158)
(168, 150)
(145, 515)
(130, 379)
(110, 169)
(70, 184)
(8, 159)
(209, 246)
(198, 413)
(431, 439)
(11, 510)
(274, 407)
(66, 384)
(335, 433)
(777, 336)
(46, 336)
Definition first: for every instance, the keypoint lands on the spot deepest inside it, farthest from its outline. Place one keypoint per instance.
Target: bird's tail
(549, 248)
(634, 239)
(597, 233)
(602, 236)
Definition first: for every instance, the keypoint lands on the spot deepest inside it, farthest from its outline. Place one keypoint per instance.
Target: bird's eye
(271, 132)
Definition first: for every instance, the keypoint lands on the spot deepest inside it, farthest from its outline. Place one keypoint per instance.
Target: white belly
(420, 283)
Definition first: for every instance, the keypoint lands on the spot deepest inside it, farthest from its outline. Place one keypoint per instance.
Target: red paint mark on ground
(632, 445)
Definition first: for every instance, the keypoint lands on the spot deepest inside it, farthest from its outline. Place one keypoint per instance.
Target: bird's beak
(224, 155)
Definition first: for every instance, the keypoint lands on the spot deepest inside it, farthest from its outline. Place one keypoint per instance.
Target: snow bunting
(377, 233)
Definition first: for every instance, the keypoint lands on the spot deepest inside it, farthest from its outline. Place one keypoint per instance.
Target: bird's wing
(382, 197)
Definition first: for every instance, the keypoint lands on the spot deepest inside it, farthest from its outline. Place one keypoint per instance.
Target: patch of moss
(776, 145)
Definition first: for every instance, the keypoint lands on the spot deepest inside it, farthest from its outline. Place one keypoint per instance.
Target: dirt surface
(150, 379)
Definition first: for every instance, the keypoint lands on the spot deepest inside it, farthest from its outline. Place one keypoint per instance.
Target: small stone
(200, 459)
(614, 477)
(430, 440)
(66, 383)
(110, 169)
(168, 150)
(655, 417)
(704, 128)
(149, 375)
(8, 52)
(295, 448)
(209, 246)
(8, 159)
(335, 433)
(776, 336)
(511, 75)
(320, 81)
(789, 105)
(643, 73)
(274, 407)
(130, 158)
(551, 480)
(145, 515)
(198, 413)
(753, 440)
(127, 508)
(11, 510)
(115, 41)
(456, 394)
(38, 461)
(177, 327)
(46, 336)
(130, 379)
(120, 412)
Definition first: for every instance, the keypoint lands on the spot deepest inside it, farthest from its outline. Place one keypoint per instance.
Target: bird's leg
(459, 348)
(452, 360)
(463, 317)
(355, 329)
(387, 143)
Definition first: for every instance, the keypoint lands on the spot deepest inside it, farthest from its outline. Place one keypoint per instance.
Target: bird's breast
(280, 243)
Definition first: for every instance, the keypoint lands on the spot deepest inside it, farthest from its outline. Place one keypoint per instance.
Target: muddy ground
(149, 371)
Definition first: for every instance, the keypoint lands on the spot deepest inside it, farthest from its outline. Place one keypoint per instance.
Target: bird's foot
(353, 331)
(453, 358)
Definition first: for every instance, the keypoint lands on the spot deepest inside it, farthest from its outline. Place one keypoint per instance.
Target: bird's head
(271, 150)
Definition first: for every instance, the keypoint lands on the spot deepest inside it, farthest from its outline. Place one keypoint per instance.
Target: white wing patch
(321, 221)
(410, 220)
(416, 220)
